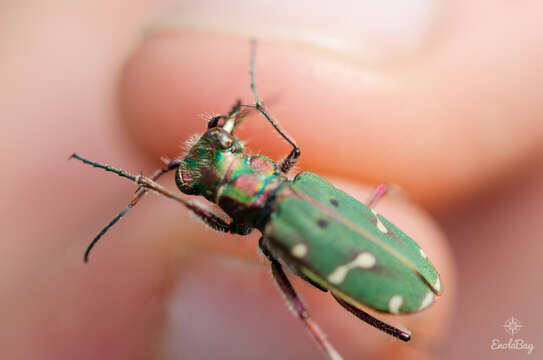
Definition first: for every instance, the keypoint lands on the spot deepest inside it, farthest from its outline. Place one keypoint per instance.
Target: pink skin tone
(456, 123)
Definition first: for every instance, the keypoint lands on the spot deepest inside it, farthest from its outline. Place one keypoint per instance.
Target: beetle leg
(240, 228)
(364, 316)
(287, 163)
(378, 193)
(296, 304)
(145, 184)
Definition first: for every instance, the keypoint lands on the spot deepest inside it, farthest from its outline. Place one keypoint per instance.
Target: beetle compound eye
(220, 138)
(226, 141)
(214, 134)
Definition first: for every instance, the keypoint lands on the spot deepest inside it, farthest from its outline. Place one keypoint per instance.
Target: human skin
(441, 124)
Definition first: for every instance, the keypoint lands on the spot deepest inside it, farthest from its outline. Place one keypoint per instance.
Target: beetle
(325, 236)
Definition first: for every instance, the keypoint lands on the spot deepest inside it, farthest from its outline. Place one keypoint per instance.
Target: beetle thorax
(248, 185)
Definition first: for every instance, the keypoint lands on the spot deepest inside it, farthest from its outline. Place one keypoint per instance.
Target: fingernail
(372, 29)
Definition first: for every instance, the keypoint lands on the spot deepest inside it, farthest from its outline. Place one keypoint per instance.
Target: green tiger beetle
(325, 236)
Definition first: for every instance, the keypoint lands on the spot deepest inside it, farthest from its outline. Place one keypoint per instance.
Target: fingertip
(341, 110)
(173, 80)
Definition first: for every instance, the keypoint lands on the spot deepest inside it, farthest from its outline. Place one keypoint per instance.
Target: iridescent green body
(320, 232)
(240, 184)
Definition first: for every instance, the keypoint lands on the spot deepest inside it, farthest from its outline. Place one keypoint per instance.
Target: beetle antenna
(172, 165)
(106, 167)
(293, 156)
(258, 103)
(273, 122)
(105, 229)
(252, 71)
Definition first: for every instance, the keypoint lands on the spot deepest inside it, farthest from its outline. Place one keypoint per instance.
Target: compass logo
(512, 326)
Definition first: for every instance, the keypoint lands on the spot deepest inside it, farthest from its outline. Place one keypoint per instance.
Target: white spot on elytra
(338, 275)
(423, 254)
(380, 226)
(364, 260)
(299, 250)
(394, 304)
(427, 300)
(437, 285)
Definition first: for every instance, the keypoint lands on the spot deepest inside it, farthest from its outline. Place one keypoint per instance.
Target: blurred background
(442, 98)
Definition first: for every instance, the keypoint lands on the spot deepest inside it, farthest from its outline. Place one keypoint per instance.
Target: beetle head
(208, 158)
